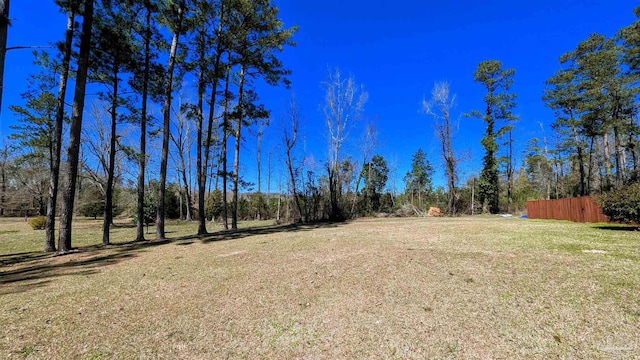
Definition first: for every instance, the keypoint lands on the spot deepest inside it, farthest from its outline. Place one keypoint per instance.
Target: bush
(622, 204)
(38, 223)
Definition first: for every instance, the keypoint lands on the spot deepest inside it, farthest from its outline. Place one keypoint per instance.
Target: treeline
(595, 99)
(144, 56)
(139, 52)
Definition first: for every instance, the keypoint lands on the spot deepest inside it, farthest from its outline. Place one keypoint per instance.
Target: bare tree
(182, 140)
(290, 137)
(369, 142)
(344, 105)
(262, 124)
(439, 107)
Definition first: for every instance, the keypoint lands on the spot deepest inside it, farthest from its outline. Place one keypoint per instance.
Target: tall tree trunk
(450, 163)
(3, 184)
(473, 196)
(201, 172)
(619, 154)
(4, 28)
(166, 111)
(50, 241)
(73, 150)
(258, 158)
(510, 173)
(225, 138)
(268, 197)
(108, 205)
(293, 178)
(143, 126)
(236, 162)
(608, 166)
(579, 150)
(202, 175)
(590, 174)
(187, 193)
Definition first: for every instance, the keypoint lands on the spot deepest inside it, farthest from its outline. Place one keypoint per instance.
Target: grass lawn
(471, 288)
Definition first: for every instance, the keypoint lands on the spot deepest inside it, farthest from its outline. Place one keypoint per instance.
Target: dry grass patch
(373, 288)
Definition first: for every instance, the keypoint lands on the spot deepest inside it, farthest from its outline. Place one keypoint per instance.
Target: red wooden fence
(580, 209)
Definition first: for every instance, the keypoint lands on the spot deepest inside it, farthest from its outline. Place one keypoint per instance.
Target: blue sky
(397, 50)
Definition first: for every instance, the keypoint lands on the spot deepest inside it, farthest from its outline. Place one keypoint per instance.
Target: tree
(290, 138)
(175, 17)
(36, 130)
(65, 49)
(28, 182)
(209, 36)
(630, 37)
(344, 104)
(147, 86)
(439, 107)
(499, 105)
(419, 178)
(5, 158)
(259, 37)
(375, 174)
(538, 168)
(4, 27)
(561, 95)
(182, 142)
(226, 132)
(73, 150)
(622, 203)
(368, 143)
(607, 100)
(113, 51)
(594, 99)
(262, 124)
(214, 204)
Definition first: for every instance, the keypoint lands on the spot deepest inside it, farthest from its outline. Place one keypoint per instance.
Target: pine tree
(375, 174)
(147, 82)
(112, 55)
(38, 129)
(259, 35)
(175, 17)
(499, 106)
(419, 180)
(73, 150)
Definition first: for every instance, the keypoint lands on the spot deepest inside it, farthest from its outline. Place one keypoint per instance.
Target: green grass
(415, 288)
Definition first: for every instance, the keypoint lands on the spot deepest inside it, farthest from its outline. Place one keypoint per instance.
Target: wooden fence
(580, 209)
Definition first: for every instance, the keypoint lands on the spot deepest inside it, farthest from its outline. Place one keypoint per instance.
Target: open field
(478, 288)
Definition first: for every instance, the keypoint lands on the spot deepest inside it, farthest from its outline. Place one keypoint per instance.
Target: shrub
(622, 204)
(38, 223)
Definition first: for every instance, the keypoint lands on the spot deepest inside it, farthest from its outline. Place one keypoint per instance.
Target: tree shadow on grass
(32, 270)
(37, 269)
(264, 230)
(618, 227)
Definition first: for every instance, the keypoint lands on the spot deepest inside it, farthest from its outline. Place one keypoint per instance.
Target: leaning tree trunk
(166, 110)
(50, 236)
(73, 150)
